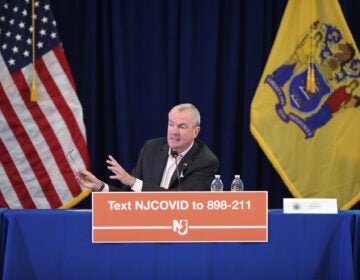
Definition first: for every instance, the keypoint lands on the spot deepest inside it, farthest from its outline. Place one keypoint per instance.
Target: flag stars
(42, 32)
(40, 45)
(15, 49)
(16, 31)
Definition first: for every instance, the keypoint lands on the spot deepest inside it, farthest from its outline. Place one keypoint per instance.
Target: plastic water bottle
(217, 185)
(237, 184)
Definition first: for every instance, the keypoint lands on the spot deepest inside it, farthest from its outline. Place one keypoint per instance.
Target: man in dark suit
(156, 166)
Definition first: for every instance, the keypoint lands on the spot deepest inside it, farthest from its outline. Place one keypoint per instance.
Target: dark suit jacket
(197, 167)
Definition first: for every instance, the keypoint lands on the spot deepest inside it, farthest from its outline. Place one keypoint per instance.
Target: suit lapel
(184, 164)
(161, 159)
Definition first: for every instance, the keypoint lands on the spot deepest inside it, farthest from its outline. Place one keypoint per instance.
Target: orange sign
(180, 217)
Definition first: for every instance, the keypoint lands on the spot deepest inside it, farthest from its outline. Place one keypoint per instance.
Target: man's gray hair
(194, 111)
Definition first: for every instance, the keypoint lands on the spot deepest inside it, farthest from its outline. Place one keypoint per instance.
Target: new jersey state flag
(305, 114)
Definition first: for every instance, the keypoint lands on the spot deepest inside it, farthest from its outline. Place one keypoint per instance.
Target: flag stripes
(31, 128)
(26, 142)
(48, 74)
(16, 180)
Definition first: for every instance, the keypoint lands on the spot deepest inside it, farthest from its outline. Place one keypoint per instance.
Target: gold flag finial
(310, 79)
(33, 94)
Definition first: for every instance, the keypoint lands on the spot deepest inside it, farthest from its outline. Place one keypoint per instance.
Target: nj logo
(180, 226)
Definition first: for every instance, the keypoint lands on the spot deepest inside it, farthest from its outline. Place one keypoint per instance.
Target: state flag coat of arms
(305, 113)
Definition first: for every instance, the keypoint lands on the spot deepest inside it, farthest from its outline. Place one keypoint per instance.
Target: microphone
(175, 155)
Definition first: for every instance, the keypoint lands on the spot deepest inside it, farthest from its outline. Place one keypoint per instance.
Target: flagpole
(33, 94)
(310, 79)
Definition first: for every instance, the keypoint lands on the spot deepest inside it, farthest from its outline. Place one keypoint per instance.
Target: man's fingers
(112, 160)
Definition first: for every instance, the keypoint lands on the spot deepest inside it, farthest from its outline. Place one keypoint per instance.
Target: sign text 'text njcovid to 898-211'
(166, 205)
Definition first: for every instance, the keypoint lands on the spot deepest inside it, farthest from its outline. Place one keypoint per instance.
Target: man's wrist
(101, 187)
(133, 181)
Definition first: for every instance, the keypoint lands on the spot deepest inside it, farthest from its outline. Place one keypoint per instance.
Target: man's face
(181, 133)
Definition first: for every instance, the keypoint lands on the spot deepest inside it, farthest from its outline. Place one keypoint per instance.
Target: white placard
(310, 205)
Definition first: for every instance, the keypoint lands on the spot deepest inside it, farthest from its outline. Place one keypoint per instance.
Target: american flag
(36, 137)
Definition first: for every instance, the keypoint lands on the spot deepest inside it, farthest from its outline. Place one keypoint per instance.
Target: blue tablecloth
(2, 239)
(56, 244)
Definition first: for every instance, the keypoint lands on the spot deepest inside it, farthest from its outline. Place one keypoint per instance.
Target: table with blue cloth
(57, 244)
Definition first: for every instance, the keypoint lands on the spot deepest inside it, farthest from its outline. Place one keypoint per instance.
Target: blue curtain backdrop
(132, 60)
